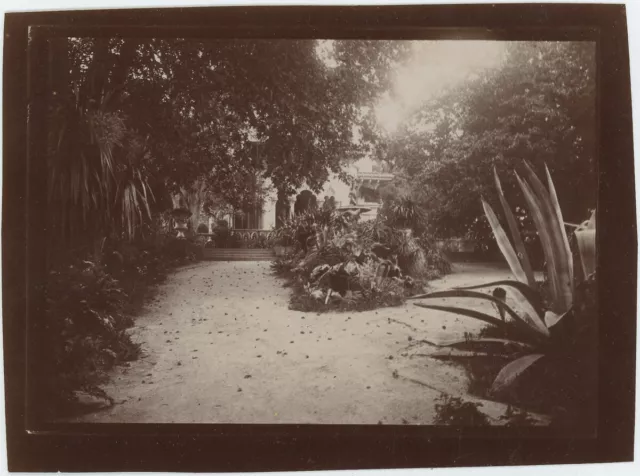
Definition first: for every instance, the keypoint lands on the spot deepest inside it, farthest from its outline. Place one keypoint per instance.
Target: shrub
(436, 260)
(454, 411)
(89, 307)
(328, 238)
(84, 335)
(282, 266)
(418, 256)
(202, 228)
(259, 241)
(178, 249)
(403, 212)
(515, 417)
(362, 295)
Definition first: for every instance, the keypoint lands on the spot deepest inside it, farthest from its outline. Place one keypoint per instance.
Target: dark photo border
(35, 446)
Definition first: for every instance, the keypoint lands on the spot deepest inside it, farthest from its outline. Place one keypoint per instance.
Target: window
(250, 219)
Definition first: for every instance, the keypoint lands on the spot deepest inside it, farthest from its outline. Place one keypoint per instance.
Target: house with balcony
(362, 194)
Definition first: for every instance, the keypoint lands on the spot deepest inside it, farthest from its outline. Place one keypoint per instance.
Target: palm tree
(97, 182)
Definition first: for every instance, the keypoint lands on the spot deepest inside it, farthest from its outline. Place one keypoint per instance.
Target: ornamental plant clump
(403, 212)
(84, 335)
(532, 327)
(340, 263)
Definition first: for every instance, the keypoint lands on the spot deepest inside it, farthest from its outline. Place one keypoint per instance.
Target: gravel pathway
(221, 346)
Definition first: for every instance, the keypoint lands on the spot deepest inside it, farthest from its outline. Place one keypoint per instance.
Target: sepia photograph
(321, 231)
(314, 230)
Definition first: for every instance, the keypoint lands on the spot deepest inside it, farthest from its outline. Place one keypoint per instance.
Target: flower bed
(340, 264)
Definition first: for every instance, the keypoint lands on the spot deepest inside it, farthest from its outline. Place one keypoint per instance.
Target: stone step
(222, 258)
(241, 250)
(218, 252)
(237, 254)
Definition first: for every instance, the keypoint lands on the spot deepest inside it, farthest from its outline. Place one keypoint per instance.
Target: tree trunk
(282, 208)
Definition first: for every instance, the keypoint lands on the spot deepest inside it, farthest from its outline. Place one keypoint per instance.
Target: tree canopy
(165, 113)
(136, 120)
(538, 106)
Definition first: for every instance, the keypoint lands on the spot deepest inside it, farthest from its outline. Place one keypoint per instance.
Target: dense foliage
(131, 117)
(137, 127)
(338, 262)
(538, 106)
(89, 307)
(545, 331)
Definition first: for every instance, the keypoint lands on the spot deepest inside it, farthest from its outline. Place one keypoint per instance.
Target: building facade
(363, 194)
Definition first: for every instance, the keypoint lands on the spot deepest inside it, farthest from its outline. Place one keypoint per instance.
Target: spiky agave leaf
(481, 316)
(460, 354)
(504, 244)
(530, 294)
(510, 372)
(518, 320)
(528, 303)
(487, 343)
(551, 318)
(560, 244)
(556, 205)
(549, 232)
(515, 233)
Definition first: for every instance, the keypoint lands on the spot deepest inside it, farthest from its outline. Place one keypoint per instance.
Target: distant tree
(97, 166)
(538, 106)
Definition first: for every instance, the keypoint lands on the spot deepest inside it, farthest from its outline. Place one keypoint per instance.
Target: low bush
(259, 241)
(84, 335)
(436, 261)
(454, 411)
(340, 264)
(363, 293)
(89, 307)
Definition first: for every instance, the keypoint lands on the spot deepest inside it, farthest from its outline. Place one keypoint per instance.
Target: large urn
(181, 218)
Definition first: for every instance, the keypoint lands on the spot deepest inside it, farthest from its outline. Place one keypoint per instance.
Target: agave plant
(527, 316)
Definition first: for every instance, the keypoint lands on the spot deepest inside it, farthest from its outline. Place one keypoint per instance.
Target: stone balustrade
(244, 235)
(243, 238)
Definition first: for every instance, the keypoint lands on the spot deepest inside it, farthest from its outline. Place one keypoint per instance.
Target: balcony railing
(245, 234)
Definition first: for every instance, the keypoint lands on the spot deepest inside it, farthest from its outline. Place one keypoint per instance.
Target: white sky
(435, 66)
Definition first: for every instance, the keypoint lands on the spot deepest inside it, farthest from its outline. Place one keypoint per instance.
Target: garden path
(221, 346)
